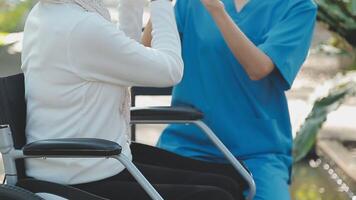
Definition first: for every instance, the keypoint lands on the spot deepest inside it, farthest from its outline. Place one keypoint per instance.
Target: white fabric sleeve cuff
(130, 17)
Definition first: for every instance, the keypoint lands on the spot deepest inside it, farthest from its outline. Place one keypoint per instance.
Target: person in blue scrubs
(240, 58)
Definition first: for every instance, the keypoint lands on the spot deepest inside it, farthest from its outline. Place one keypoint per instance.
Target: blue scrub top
(250, 117)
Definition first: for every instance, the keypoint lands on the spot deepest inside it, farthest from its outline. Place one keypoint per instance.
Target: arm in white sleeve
(100, 52)
(130, 17)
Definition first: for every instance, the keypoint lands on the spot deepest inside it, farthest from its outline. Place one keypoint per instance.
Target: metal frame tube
(230, 157)
(11, 173)
(10, 154)
(140, 178)
(217, 142)
(7, 151)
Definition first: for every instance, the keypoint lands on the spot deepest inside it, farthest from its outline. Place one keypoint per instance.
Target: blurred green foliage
(340, 15)
(306, 136)
(12, 14)
(353, 66)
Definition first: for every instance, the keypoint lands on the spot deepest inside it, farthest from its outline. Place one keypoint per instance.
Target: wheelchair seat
(14, 148)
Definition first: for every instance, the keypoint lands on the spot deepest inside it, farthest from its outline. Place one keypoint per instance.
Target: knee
(226, 183)
(272, 189)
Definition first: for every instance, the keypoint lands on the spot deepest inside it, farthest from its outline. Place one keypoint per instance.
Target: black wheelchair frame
(14, 148)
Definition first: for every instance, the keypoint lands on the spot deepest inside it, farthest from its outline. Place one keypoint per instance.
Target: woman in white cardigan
(78, 66)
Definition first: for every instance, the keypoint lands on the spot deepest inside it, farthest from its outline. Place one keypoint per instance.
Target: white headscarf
(89, 5)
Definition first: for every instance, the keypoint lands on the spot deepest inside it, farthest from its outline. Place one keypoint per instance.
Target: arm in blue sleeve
(288, 42)
(180, 9)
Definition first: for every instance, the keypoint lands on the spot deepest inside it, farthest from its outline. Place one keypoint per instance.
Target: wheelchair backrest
(13, 112)
(146, 91)
(149, 91)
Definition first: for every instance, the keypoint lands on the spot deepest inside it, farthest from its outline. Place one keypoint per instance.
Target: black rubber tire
(8, 192)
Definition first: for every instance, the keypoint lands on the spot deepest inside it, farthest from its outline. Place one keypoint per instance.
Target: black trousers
(174, 177)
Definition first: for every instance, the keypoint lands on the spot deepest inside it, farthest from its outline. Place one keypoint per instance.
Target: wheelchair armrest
(72, 147)
(165, 114)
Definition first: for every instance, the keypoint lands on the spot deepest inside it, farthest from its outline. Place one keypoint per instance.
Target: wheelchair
(14, 149)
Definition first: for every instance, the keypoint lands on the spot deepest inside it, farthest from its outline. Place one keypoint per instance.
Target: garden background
(322, 102)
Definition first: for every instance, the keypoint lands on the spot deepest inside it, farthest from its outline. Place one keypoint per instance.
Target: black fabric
(146, 154)
(142, 91)
(13, 112)
(154, 156)
(9, 192)
(172, 184)
(72, 147)
(68, 192)
(150, 91)
(166, 113)
(13, 107)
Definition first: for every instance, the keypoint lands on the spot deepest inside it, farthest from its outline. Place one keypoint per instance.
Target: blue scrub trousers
(270, 171)
(271, 176)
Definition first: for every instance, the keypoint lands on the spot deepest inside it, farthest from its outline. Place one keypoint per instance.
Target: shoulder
(93, 30)
(87, 24)
(302, 4)
(290, 8)
(92, 22)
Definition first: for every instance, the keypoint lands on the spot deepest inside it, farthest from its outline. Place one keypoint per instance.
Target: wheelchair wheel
(8, 192)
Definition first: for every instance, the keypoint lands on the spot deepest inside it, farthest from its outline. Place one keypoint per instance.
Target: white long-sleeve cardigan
(78, 67)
